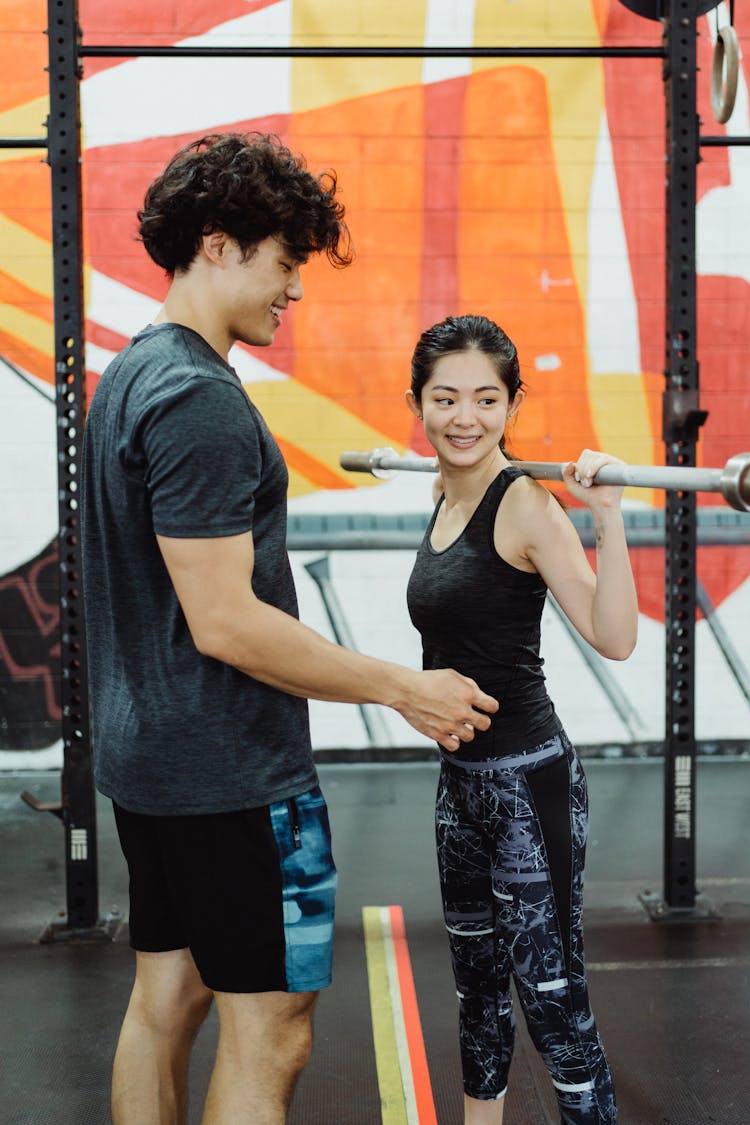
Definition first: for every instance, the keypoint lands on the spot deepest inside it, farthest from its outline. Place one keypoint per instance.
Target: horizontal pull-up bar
(41, 142)
(23, 142)
(733, 481)
(384, 52)
(722, 142)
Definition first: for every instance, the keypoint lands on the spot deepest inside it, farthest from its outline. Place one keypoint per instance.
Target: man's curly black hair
(250, 186)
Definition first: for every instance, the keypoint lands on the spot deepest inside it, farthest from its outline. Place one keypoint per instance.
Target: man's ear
(411, 402)
(515, 405)
(214, 246)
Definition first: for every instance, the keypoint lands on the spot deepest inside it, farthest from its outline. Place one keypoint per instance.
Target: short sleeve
(203, 459)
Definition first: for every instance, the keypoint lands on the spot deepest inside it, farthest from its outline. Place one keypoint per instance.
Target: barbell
(733, 481)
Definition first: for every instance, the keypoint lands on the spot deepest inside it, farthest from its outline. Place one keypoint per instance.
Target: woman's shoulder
(533, 509)
(523, 489)
(530, 491)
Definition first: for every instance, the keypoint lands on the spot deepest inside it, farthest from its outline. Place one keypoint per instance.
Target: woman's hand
(580, 479)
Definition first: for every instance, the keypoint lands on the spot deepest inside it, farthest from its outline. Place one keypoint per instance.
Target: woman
(511, 816)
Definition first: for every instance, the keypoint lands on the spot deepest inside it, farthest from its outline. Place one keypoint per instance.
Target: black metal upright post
(682, 419)
(77, 809)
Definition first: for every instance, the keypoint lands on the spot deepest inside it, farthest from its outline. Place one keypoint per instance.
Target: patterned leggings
(511, 840)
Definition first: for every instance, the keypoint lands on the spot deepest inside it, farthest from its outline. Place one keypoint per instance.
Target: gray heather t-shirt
(173, 446)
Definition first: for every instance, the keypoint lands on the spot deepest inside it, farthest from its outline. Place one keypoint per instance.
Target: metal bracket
(59, 931)
(682, 416)
(659, 910)
(54, 807)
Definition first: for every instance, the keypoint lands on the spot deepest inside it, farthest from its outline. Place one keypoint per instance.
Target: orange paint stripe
(417, 1054)
(309, 467)
(14, 292)
(26, 357)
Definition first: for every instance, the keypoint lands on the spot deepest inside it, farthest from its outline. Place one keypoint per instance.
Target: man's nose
(294, 290)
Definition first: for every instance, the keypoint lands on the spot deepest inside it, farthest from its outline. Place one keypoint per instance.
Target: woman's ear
(515, 405)
(414, 406)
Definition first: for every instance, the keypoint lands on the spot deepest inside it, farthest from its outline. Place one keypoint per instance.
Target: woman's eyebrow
(445, 387)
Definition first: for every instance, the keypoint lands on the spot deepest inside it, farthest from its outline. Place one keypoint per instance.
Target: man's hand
(446, 706)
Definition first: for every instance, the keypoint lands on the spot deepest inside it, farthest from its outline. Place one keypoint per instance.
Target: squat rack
(682, 419)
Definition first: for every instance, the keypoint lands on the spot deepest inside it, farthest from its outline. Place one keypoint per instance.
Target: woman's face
(464, 408)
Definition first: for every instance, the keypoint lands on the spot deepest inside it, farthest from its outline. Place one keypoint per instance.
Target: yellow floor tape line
(390, 1083)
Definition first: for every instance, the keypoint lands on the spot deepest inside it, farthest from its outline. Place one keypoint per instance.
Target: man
(199, 667)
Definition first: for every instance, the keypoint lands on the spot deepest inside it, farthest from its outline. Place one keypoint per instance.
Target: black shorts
(250, 893)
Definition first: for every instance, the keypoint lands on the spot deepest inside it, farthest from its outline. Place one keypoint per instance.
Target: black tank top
(480, 615)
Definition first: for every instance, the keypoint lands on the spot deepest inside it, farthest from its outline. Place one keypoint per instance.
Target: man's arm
(212, 579)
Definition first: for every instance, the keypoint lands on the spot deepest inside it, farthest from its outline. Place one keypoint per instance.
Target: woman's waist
(511, 730)
(514, 683)
(544, 746)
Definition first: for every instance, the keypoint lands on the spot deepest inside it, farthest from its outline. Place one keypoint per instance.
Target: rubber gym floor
(671, 998)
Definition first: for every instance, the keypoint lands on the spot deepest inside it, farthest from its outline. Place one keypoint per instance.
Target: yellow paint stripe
(315, 423)
(318, 82)
(31, 329)
(622, 422)
(26, 256)
(299, 485)
(24, 121)
(393, 1105)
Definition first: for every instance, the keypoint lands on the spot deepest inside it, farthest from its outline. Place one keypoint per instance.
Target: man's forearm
(277, 649)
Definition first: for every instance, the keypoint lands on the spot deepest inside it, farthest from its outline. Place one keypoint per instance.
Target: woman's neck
(464, 488)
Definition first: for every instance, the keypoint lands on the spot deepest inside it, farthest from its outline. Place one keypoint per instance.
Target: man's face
(257, 291)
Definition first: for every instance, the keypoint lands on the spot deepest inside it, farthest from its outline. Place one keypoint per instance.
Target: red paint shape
(444, 104)
(143, 23)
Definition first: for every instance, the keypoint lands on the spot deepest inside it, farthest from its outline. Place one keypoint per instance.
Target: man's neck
(188, 305)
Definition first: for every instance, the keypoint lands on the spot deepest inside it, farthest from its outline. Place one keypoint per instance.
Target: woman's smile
(463, 442)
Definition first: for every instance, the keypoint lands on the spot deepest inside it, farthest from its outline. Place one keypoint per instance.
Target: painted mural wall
(532, 191)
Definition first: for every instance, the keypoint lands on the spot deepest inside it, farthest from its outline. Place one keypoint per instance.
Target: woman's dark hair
(462, 334)
(250, 186)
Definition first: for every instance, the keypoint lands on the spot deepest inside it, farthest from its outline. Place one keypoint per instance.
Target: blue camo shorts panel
(250, 893)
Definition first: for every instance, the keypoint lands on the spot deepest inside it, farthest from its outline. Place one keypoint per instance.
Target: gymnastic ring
(723, 93)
